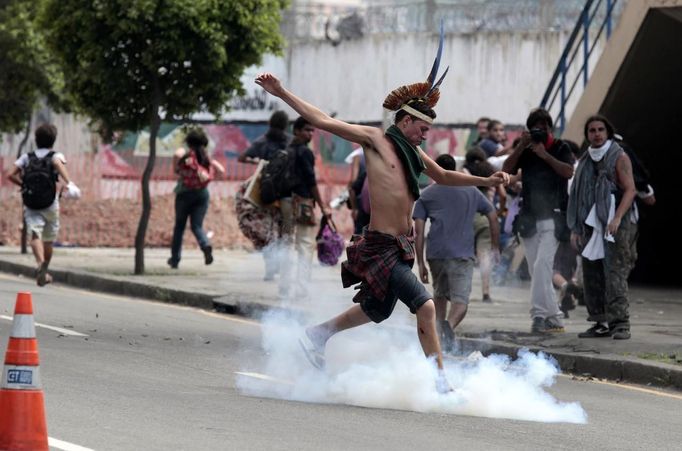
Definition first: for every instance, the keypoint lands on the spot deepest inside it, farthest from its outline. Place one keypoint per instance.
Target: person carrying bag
(195, 170)
(330, 244)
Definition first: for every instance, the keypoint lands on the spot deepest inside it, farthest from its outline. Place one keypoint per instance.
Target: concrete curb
(604, 367)
(112, 286)
(232, 303)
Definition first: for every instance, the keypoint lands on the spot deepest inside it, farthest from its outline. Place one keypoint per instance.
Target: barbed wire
(319, 21)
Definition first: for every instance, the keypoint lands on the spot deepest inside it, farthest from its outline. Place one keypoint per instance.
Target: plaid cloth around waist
(371, 259)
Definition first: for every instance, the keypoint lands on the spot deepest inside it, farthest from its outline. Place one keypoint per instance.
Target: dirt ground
(113, 223)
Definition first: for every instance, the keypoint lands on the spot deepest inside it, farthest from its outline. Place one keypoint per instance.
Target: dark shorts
(404, 285)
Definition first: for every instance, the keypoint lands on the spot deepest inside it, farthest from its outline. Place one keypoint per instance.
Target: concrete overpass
(637, 84)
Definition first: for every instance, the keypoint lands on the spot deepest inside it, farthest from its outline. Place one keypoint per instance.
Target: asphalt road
(154, 376)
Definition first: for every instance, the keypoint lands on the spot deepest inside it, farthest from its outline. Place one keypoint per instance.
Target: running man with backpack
(38, 175)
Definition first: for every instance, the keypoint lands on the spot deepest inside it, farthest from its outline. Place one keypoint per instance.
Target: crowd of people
(572, 212)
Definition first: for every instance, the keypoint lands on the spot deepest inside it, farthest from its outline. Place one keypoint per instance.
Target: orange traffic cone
(22, 411)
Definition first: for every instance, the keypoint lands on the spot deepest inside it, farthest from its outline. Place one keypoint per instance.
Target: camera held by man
(538, 135)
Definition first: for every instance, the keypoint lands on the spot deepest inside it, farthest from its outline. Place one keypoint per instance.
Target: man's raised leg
(352, 317)
(315, 338)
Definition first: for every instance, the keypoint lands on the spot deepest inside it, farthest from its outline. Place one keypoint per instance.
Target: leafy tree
(130, 62)
(28, 73)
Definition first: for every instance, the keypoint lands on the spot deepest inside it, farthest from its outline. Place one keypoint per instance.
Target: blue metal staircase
(596, 16)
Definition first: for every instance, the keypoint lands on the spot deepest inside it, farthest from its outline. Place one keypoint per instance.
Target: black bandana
(409, 156)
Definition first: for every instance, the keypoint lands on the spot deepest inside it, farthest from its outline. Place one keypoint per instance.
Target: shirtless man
(382, 259)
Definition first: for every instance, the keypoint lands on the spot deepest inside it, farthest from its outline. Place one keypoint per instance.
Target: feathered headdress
(425, 92)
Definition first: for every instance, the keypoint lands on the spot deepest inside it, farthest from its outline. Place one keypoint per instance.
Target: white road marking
(61, 330)
(264, 377)
(626, 387)
(227, 317)
(66, 446)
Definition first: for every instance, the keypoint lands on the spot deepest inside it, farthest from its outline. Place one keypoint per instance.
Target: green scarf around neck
(409, 156)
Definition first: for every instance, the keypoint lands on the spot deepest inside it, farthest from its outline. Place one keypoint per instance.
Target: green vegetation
(130, 63)
(29, 74)
(674, 359)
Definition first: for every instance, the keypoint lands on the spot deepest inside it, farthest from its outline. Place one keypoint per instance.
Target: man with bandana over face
(546, 165)
(601, 220)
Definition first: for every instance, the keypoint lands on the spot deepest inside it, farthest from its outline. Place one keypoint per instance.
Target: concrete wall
(502, 75)
(346, 59)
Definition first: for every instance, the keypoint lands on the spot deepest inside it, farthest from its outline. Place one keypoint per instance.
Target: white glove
(72, 191)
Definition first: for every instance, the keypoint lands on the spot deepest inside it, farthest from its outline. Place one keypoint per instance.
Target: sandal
(42, 277)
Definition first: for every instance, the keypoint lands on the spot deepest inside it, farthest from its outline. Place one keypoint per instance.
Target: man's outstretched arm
(359, 134)
(454, 178)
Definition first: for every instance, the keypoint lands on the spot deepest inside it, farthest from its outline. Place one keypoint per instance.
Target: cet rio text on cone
(22, 411)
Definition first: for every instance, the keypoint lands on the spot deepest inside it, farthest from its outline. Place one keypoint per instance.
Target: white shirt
(353, 154)
(594, 249)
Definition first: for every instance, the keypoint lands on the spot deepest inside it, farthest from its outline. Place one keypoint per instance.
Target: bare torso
(389, 193)
(390, 196)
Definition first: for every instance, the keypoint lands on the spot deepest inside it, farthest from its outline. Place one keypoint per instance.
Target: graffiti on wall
(228, 141)
(257, 100)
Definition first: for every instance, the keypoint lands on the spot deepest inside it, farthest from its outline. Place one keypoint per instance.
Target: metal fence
(306, 21)
(109, 210)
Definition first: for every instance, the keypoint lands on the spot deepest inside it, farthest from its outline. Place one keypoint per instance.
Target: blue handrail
(579, 38)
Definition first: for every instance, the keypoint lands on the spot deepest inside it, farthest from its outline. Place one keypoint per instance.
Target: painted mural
(228, 141)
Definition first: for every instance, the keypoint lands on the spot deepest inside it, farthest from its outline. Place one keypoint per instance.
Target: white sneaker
(442, 385)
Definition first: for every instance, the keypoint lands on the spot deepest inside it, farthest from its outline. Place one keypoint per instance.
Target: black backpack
(279, 176)
(39, 182)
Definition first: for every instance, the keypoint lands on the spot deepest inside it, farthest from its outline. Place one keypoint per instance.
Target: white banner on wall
(256, 105)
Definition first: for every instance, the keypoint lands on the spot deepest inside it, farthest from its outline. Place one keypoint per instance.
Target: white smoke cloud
(384, 367)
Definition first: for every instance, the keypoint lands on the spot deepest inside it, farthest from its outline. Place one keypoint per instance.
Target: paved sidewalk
(234, 283)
